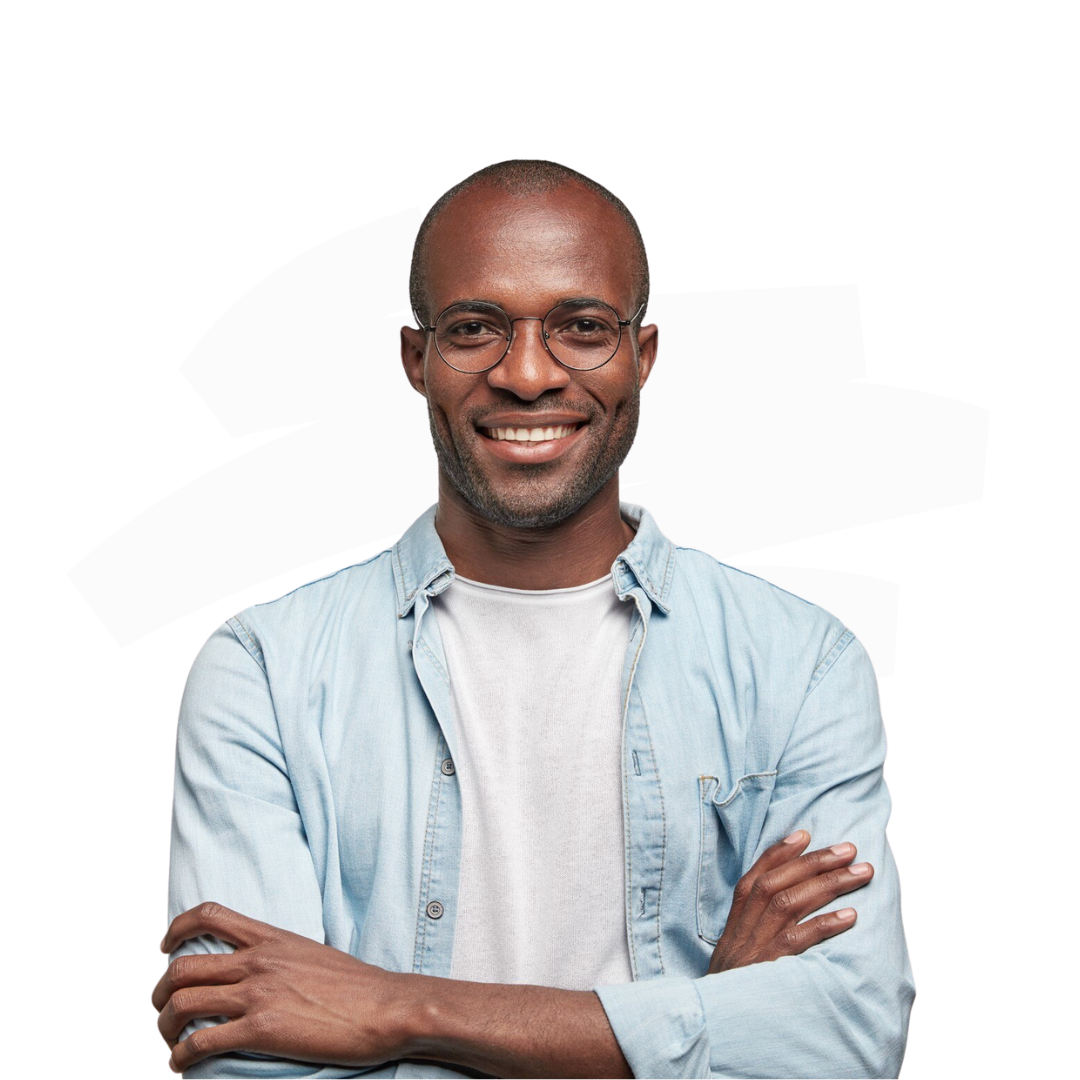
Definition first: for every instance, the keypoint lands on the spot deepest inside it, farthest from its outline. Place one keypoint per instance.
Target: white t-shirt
(536, 678)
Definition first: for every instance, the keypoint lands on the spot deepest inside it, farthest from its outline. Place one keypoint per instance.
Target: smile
(531, 445)
(526, 434)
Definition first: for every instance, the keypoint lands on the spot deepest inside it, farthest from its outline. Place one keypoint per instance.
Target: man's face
(528, 254)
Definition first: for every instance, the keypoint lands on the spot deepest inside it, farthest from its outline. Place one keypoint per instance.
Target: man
(532, 792)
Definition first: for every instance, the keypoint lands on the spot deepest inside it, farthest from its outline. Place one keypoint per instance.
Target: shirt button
(448, 767)
(434, 910)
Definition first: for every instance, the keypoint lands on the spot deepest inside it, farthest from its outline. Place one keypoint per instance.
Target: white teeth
(531, 434)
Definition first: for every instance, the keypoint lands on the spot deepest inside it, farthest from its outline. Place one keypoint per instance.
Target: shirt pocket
(731, 823)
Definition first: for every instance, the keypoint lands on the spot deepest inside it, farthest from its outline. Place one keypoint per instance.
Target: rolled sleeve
(840, 1009)
(237, 835)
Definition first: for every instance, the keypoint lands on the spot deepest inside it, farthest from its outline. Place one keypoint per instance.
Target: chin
(534, 509)
(528, 519)
(532, 500)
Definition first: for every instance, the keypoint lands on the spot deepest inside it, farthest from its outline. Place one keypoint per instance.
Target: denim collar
(421, 565)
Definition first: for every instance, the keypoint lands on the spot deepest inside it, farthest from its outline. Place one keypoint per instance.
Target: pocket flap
(731, 824)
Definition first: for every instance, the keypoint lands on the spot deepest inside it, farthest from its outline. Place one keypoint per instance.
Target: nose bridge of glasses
(527, 318)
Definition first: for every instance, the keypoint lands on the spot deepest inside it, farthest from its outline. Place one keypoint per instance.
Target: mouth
(530, 444)
(530, 434)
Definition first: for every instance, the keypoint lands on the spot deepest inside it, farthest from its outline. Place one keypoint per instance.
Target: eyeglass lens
(580, 334)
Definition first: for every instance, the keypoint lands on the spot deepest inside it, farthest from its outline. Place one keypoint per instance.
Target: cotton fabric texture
(313, 792)
(535, 677)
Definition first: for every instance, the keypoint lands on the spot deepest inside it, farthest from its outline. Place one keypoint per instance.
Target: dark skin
(291, 997)
(527, 255)
(552, 524)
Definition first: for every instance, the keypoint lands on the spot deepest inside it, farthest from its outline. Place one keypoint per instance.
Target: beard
(531, 498)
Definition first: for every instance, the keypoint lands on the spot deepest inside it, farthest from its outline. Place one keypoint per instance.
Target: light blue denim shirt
(314, 792)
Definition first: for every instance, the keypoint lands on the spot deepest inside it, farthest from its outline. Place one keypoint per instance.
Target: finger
(795, 903)
(798, 938)
(193, 1001)
(774, 881)
(199, 969)
(224, 923)
(774, 856)
(201, 1043)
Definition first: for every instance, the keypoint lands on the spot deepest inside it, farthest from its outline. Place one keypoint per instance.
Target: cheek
(448, 415)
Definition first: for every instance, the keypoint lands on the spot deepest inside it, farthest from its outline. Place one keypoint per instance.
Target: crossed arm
(292, 997)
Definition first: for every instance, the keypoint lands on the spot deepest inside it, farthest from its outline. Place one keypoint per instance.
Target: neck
(576, 550)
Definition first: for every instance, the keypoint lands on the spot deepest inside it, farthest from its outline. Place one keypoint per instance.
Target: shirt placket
(437, 902)
(644, 821)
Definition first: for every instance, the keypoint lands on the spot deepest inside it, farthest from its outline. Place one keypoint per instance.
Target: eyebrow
(584, 301)
(579, 300)
(466, 301)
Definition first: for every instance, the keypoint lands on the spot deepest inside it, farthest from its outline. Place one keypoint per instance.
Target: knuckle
(263, 961)
(181, 1003)
(792, 937)
(195, 1043)
(180, 970)
(821, 858)
(782, 902)
(261, 1023)
(210, 909)
(762, 888)
(839, 880)
(743, 889)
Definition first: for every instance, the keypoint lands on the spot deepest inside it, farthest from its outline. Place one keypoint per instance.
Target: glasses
(474, 336)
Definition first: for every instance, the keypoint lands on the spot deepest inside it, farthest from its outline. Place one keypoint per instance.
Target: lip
(530, 452)
(516, 420)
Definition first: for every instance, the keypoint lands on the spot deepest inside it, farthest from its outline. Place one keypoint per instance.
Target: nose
(528, 369)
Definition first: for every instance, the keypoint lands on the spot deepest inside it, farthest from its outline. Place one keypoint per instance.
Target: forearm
(509, 1030)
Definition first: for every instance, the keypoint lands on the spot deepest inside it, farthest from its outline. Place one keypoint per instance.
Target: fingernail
(795, 837)
(162, 945)
(842, 849)
(861, 869)
(846, 914)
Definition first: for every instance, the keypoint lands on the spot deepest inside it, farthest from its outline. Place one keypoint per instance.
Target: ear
(413, 349)
(648, 338)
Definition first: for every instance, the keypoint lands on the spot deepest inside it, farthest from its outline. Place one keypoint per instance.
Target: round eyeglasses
(474, 336)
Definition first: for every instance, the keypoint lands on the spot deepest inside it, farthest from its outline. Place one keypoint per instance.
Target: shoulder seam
(244, 636)
(833, 654)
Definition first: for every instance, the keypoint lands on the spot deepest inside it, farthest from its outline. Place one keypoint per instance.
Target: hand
(781, 888)
(285, 995)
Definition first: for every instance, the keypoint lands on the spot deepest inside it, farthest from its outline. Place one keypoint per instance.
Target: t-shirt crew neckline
(533, 592)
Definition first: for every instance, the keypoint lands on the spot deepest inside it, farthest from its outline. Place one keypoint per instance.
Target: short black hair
(524, 177)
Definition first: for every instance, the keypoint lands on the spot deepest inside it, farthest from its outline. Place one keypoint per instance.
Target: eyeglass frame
(527, 318)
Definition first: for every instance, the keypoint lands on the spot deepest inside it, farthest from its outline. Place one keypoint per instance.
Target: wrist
(415, 1013)
(505, 1030)
(432, 1014)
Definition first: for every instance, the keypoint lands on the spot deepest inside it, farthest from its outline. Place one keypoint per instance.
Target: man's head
(527, 236)
(522, 179)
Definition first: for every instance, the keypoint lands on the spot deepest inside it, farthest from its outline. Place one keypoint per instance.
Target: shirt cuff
(659, 1025)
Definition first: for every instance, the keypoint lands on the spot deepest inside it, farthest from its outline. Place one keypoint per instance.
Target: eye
(469, 329)
(585, 325)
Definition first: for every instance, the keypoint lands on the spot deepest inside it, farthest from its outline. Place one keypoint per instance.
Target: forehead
(527, 250)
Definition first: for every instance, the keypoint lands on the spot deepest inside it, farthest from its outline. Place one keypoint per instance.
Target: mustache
(581, 408)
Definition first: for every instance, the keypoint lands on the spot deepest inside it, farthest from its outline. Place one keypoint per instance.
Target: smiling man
(531, 793)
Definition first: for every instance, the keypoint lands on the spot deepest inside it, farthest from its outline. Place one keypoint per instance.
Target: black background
(184, 242)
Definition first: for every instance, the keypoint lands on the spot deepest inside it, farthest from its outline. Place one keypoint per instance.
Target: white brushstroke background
(759, 410)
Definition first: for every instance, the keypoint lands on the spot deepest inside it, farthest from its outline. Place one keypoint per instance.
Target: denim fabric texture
(312, 792)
